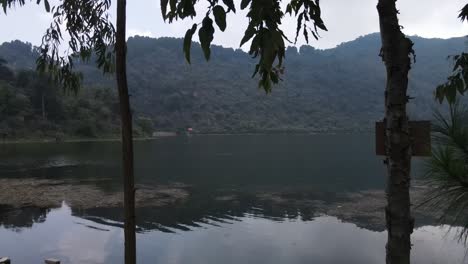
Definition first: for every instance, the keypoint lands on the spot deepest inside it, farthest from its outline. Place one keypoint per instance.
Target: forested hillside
(32, 107)
(323, 90)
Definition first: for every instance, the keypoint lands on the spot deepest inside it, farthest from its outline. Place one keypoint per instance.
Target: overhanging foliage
(90, 33)
(263, 30)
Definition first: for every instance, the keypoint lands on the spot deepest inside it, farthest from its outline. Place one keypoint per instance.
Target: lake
(209, 199)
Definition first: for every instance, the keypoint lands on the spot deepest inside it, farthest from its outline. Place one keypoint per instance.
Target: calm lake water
(250, 199)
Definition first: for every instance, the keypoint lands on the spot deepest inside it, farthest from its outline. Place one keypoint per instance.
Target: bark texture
(396, 51)
(43, 106)
(127, 137)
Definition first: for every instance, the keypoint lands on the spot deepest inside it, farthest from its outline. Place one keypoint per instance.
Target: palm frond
(463, 15)
(447, 169)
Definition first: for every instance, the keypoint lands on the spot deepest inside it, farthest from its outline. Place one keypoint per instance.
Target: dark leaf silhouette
(206, 36)
(220, 17)
(188, 41)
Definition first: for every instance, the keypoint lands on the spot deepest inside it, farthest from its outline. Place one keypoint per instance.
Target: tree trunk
(127, 138)
(396, 51)
(43, 106)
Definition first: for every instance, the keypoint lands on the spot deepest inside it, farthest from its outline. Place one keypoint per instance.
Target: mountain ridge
(323, 90)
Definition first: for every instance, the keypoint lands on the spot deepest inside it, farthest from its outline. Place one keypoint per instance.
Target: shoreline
(70, 140)
(115, 139)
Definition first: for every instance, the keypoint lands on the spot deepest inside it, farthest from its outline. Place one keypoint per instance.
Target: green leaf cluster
(456, 82)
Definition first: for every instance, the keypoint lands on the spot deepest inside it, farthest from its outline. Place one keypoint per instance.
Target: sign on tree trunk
(420, 133)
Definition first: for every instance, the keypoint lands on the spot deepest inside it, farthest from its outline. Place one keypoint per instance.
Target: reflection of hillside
(366, 210)
(24, 217)
(178, 207)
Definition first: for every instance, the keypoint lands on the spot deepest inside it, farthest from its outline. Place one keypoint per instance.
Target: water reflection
(24, 217)
(364, 209)
(227, 199)
(246, 239)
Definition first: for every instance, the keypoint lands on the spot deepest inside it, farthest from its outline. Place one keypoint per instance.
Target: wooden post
(52, 261)
(5, 260)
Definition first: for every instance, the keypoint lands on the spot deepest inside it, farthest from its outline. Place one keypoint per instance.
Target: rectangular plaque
(420, 131)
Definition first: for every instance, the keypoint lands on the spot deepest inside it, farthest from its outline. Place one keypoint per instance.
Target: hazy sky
(345, 19)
